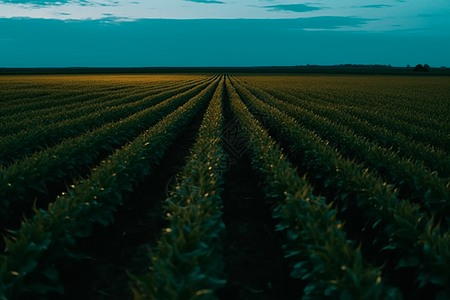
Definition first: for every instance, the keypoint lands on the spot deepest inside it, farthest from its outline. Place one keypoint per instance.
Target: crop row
(416, 132)
(413, 179)
(315, 242)
(406, 109)
(399, 226)
(32, 174)
(22, 94)
(385, 190)
(52, 100)
(435, 159)
(51, 89)
(96, 103)
(55, 101)
(188, 262)
(413, 101)
(13, 124)
(24, 143)
(51, 234)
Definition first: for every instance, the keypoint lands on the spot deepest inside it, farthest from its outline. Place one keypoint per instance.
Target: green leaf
(292, 253)
(376, 223)
(280, 227)
(389, 247)
(292, 235)
(438, 280)
(409, 261)
(331, 290)
(51, 274)
(28, 266)
(393, 294)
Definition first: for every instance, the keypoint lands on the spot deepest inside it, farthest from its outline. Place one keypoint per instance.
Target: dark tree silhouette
(420, 68)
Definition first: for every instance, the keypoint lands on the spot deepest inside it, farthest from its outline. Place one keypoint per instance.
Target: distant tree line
(348, 65)
(363, 65)
(417, 68)
(420, 68)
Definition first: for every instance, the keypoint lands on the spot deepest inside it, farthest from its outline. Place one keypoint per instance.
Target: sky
(137, 33)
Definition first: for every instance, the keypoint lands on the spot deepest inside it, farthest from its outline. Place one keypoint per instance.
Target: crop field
(222, 186)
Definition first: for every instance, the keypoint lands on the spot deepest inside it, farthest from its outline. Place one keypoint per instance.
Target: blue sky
(36, 33)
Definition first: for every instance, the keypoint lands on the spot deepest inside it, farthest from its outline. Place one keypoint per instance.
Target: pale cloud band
(206, 1)
(293, 7)
(375, 6)
(390, 14)
(43, 3)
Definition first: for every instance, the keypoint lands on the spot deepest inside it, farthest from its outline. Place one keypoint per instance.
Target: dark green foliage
(26, 142)
(69, 157)
(49, 235)
(420, 68)
(414, 180)
(188, 262)
(384, 174)
(75, 107)
(387, 135)
(315, 243)
(359, 191)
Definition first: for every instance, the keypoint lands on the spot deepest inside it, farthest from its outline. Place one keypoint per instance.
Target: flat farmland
(224, 186)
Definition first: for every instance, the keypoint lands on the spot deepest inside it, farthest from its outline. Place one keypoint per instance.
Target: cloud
(112, 3)
(42, 2)
(60, 2)
(375, 6)
(205, 1)
(324, 22)
(292, 7)
(429, 15)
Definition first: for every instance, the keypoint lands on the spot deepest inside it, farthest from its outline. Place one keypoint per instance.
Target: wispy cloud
(111, 3)
(42, 3)
(375, 6)
(325, 22)
(429, 15)
(205, 1)
(292, 7)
